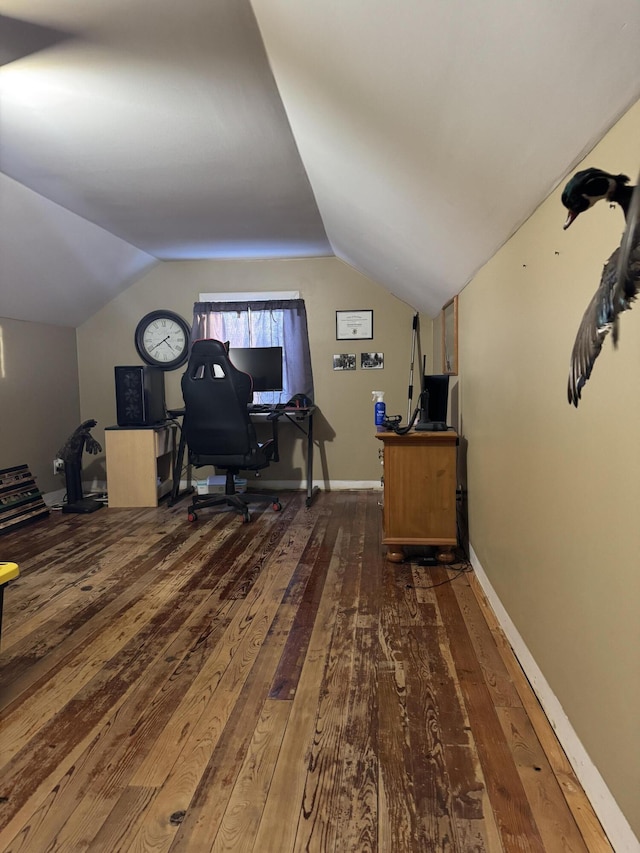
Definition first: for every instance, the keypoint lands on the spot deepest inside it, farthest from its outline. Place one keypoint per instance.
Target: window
(263, 323)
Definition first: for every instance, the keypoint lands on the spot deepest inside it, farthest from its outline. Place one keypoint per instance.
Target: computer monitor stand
(431, 426)
(425, 425)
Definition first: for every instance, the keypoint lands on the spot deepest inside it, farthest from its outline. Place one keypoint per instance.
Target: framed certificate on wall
(354, 325)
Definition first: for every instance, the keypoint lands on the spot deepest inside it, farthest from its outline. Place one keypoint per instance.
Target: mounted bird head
(589, 186)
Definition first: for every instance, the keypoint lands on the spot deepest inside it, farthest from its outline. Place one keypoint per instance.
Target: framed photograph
(354, 325)
(344, 361)
(372, 360)
(450, 337)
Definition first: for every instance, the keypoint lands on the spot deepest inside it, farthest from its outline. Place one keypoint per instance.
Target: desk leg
(311, 491)
(309, 462)
(177, 472)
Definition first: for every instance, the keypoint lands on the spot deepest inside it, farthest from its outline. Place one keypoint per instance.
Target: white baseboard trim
(53, 498)
(296, 485)
(57, 498)
(613, 821)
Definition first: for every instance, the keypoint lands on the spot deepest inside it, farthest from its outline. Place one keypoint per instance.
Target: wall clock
(162, 339)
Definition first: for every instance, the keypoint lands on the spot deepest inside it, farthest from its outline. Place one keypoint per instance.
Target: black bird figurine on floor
(619, 282)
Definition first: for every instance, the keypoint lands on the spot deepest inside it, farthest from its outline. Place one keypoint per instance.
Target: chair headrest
(208, 347)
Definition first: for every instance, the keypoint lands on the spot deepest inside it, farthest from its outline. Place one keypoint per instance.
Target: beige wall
(346, 448)
(39, 394)
(553, 491)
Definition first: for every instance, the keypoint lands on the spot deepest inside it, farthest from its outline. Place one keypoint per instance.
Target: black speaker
(140, 395)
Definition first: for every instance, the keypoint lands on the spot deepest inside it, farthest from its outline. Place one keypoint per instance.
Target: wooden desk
(139, 464)
(419, 492)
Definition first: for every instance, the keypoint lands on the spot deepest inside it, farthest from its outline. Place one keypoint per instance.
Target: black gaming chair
(217, 428)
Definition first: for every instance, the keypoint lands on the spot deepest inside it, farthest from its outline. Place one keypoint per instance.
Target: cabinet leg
(446, 554)
(395, 553)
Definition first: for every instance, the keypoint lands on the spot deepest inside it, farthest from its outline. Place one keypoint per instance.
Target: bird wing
(628, 264)
(594, 327)
(630, 237)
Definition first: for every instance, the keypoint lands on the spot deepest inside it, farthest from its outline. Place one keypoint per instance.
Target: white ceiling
(409, 138)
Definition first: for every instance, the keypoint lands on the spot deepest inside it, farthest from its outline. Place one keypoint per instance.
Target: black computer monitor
(436, 387)
(263, 364)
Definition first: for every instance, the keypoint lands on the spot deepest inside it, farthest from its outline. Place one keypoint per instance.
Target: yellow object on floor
(8, 572)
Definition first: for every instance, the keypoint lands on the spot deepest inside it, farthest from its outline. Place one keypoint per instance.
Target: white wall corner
(614, 823)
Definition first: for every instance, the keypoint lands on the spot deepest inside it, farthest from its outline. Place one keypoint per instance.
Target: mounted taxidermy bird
(620, 278)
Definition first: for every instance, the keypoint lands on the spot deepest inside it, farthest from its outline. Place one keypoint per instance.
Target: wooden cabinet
(419, 491)
(139, 464)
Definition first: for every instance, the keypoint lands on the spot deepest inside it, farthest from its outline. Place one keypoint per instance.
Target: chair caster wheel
(192, 516)
(276, 506)
(246, 518)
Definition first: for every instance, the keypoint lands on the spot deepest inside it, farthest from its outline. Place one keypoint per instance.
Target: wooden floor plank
(290, 776)
(270, 687)
(557, 829)
(208, 806)
(355, 813)
(116, 751)
(26, 721)
(447, 787)
(244, 810)
(508, 799)
(496, 676)
(63, 633)
(356, 810)
(305, 593)
(579, 806)
(185, 748)
(317, 827)
(398, 818)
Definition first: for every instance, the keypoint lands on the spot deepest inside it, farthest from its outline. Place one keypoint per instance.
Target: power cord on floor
(461, 567)
(465, 569)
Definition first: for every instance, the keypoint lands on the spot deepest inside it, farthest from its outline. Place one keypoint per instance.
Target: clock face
(162, 339)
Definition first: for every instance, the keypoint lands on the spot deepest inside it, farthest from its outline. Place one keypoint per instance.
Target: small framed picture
(344, 361)
(372, 360)
(354, 325)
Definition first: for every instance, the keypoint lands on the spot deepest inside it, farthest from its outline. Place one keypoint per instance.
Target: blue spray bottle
(380, 409)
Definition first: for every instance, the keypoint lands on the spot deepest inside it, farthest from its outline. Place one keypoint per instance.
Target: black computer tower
(140, 395)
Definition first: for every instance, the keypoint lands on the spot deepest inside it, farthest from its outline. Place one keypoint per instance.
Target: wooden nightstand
(419, 492)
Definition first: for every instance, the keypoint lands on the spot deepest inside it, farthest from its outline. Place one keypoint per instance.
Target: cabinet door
(420, 494)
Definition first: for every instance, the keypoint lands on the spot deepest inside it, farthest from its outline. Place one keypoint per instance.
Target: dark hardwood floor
(268, 687)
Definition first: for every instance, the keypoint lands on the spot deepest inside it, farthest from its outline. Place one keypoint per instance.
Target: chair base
(239, 501)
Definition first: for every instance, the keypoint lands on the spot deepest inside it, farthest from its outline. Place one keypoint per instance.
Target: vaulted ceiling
(408, 138)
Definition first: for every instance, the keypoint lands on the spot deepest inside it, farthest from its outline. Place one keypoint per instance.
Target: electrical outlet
(58, 466)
